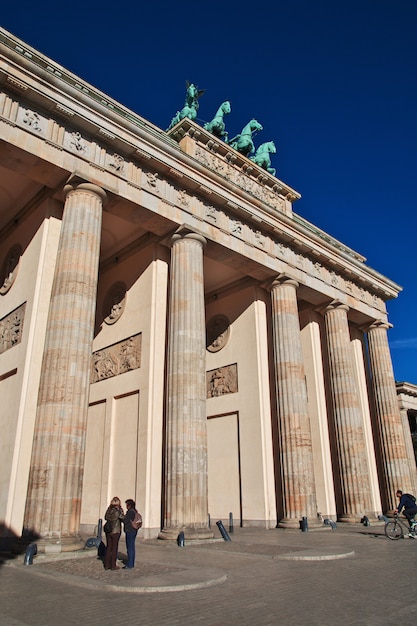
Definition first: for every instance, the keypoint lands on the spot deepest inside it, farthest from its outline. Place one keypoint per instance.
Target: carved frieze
(221, 381)
(211, 214)
(259, 239)
(183, 198)
(151, 180)
(32, 120)
(255, 187)
(11, 327)
(116, 359)
(236, 228)
(117, 163)
(76, 143)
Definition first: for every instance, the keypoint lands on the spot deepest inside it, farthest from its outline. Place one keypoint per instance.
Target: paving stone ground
(352, 575)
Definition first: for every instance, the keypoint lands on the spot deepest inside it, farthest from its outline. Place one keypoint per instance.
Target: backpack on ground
(137, 521)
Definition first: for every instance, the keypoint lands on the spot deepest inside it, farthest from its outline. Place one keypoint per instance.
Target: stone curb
(203, 577)
(315, 557)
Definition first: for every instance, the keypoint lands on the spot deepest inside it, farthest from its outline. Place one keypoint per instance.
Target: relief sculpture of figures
(262, 157)
(243, 143)
(217, 125)
(191, 105)
(221, 381)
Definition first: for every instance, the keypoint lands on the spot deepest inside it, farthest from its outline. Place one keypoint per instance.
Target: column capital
(185, 233)
(86, 186)
(376, 324)
(282, 279)
(331, 306)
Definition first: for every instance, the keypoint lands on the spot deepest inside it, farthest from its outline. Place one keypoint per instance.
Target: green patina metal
(217, 125)
(262, 157)
(243, 142)
(191, 105)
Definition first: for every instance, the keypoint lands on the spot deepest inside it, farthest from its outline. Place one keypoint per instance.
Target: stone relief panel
(211, 214)
(117, 163)
(116, 359)
(75, 142)
(32, 120)
(114, 303)
(236, 228)
(11, 327)
(217, 333)
(250, 185)
(10, 268)
(183, 198)
(221, 381)
(151, 181)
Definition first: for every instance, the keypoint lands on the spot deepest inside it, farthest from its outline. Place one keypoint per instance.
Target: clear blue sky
(333, 83)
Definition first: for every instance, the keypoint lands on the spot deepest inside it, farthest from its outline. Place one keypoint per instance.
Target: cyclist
(408, 503)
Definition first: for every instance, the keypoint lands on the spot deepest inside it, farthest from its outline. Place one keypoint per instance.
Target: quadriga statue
(217, 125)
(191, 105)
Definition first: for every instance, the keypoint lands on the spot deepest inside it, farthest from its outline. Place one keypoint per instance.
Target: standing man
(408, 503)
(130, 533)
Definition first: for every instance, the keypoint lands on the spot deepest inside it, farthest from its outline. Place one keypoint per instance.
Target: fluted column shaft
(395, 461)
(56, 473)
(186, 504)
(348, 419)
(299, 492)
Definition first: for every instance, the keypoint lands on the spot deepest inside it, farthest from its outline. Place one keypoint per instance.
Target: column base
(294, 522)
(190, 534)
(349, 518)
(53, 545)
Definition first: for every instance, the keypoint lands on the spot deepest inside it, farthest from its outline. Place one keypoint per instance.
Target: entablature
(188, 169)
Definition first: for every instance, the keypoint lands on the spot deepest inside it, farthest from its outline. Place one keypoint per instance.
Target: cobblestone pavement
(349, 576)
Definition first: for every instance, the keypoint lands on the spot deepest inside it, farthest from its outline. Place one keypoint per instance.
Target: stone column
(299, 491)
(56, 472)
(409, 447)
(186, 502)
(393, 448)
(353, 477)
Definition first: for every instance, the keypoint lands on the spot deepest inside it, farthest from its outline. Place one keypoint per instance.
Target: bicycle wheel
(393, 530)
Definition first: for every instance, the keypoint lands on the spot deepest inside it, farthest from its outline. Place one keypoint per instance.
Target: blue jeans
(130, 546)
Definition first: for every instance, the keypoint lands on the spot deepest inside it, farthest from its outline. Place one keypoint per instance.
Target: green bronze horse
(191, 105)
(217, 126)
(243, 143)
(262, 158)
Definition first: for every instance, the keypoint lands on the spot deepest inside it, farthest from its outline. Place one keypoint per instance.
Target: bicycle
(394, 529)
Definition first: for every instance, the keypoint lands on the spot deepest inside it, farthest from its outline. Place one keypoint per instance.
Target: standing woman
(113, 527)
(130, 533)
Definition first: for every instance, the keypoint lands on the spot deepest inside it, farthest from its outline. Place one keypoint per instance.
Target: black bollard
(181, 540)
(230, 522)
(31, 551)
(330, 522)
(223, 531)
(304, 524)
(95, 542)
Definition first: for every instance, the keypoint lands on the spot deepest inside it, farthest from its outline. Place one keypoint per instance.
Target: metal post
(31, 551)
(230, 522)
(223, 531)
